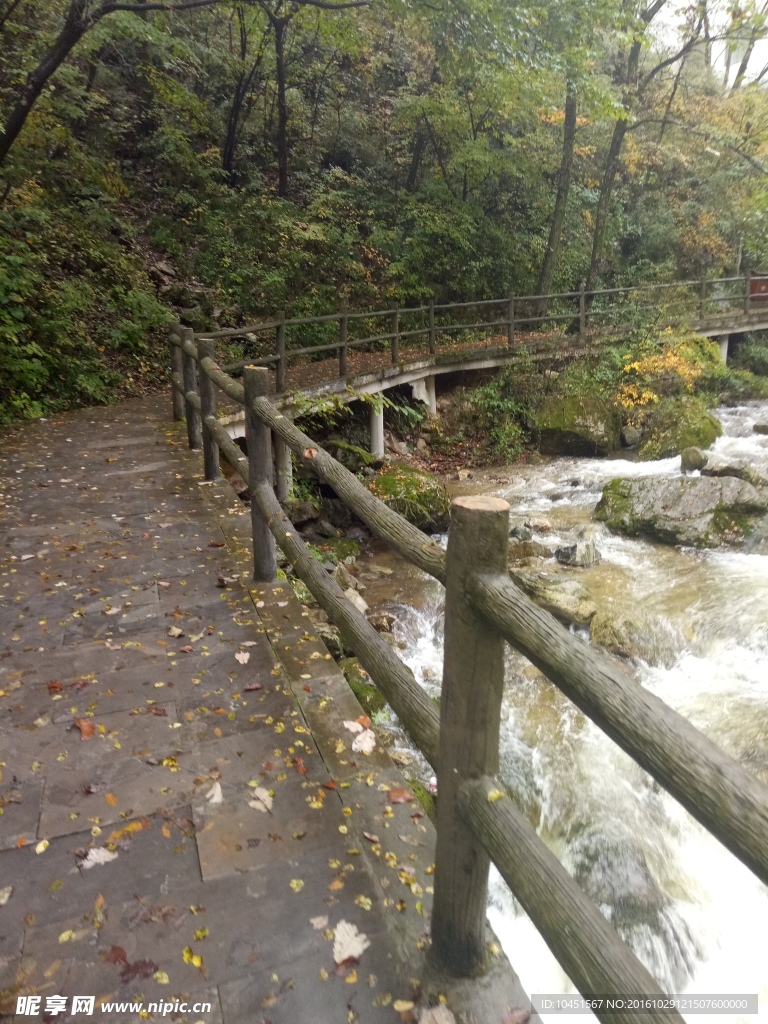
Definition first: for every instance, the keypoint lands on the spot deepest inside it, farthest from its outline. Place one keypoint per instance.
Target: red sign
(758, 288)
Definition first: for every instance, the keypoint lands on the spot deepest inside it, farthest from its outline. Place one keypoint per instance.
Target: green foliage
(752, 355)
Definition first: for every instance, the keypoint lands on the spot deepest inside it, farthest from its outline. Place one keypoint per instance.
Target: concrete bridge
(419, 344)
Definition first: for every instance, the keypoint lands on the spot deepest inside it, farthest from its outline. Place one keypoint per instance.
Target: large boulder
(418, 496)
(561, 595)
(676, 424)
(700, 511)
(577, 425)
(739, 468)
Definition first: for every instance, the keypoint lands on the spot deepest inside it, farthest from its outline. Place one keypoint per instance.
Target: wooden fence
(477, 821)
(277, 344)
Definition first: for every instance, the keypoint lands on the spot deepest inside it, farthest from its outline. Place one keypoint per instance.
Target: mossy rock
(416, 495)
(340, 548)
(371, 699)
(577, 425)
(676, 424)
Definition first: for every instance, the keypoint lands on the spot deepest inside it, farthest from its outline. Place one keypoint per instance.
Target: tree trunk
(603, 203)
(419, 145)
(561, 199)
(741, 73)
(75, 27)
(279, 25)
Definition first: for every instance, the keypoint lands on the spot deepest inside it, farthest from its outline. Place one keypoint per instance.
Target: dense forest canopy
(233, 159)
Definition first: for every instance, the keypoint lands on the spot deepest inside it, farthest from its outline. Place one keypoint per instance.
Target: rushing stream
(694, 915)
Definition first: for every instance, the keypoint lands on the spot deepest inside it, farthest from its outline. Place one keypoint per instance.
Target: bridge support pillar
(431, 397)
(377, 430)
(723, 342)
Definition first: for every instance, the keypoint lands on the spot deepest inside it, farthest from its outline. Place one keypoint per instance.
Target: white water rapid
(694, 915)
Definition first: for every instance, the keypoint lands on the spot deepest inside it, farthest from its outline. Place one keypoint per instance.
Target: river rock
(740, 469)
(760, 428)
(581, 553)
(700, 511)
(692, 459)
(382, 622)
(655, 641)
(526, 551)
(521, 532)
(577, 425)
(630, 437)
(616, 875)
(331, 637)
(561, 595)
(676, 423)
(344, 577)
(355, 599)
(418, 496)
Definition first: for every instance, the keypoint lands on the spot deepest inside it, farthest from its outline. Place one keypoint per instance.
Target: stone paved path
(141, 709)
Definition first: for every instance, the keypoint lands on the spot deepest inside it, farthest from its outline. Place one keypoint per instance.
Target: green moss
(371, 699)
(340, 547)
(577, 425)
(615, 507)
(730, 527)
(418, 496)
(424, 797)
(677, 423)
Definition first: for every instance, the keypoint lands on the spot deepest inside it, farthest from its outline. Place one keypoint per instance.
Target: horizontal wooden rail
(585, 944)
(413, 707)
(730, 802)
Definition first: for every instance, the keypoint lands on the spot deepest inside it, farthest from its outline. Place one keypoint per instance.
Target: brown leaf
(86, 727)
(141, 969)
(371, 837)
(54, 687)
(187, 649)
(331, 785)
(364, 720)
(400, 796)
(116, 955)
(252, 687)
(216, 544)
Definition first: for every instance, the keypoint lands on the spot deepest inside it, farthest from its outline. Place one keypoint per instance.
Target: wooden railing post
(343, 330)
(259, 441)
(194, 429)
(703, 299)
(395, 332)
(206, 349)
(511, 319)
(470, 705)
(582, 309)
(176, 369)
(748, 289)
(283, 470)
(432, 333)
(280, 367)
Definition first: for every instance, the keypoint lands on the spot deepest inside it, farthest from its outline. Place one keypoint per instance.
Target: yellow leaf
(201, 933)
(191, 958)
(42, 846)
(351, 978)
(401, 1005)
(161, 978)
(111, 799)
(494, 795)
(296, 884)
(67, 936)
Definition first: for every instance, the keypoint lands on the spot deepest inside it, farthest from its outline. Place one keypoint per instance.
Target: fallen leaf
(365, 743)
(364, 720)
(42, 846)
(437, 1015)
(353, 726)
(187, 649)
(243, 657)
(86, 727)
(111, 799)
(348, 944)
(216, 544)
(296, 884)
(400, 796)
(319, 923)
(174, 631)
(97, 855)
(67, 936)
(251, 687)
(214, 794)
(494, 795)
(261, 801)
(402, 1005)
(192, 958)
(5, 895)
(161, 978)
(371, 837)
(54, 687)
